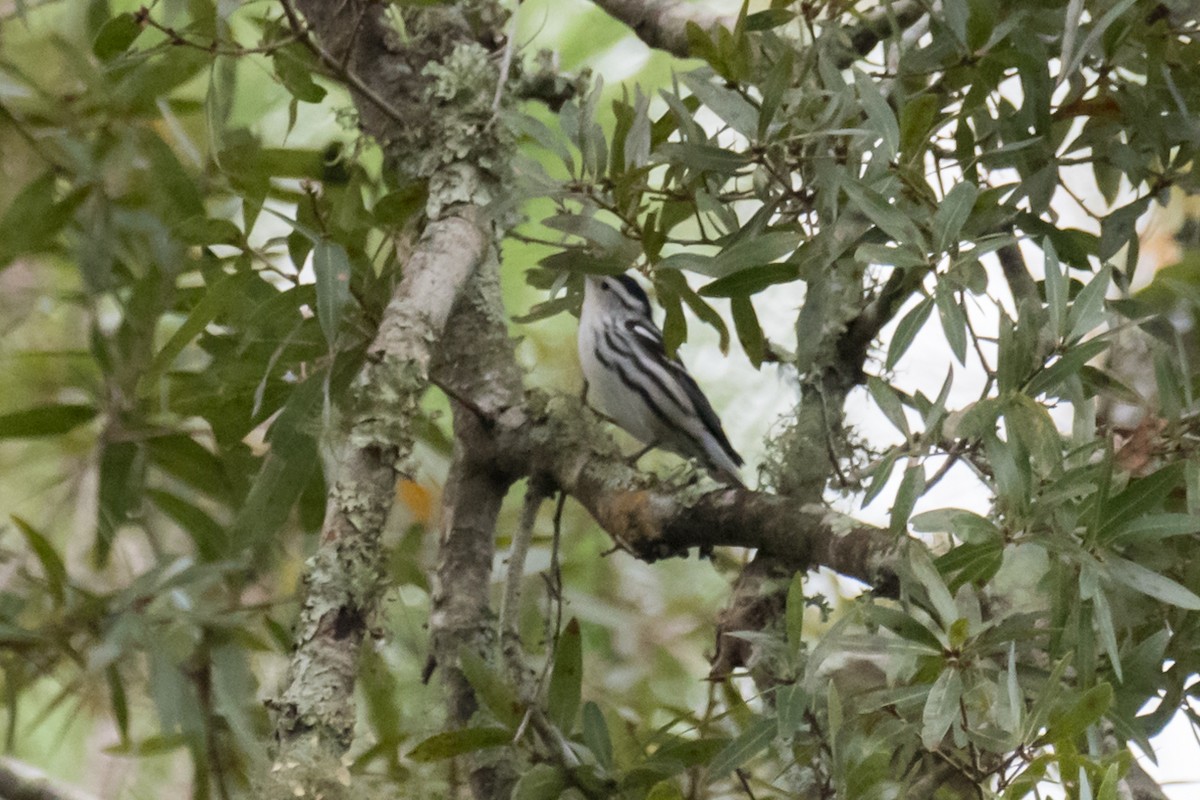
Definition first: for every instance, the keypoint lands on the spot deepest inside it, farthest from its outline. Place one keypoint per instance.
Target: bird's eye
(604, 285)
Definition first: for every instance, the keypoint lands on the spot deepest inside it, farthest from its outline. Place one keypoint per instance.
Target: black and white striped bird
(631, 380)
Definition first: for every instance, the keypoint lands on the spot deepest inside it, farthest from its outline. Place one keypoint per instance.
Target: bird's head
(617, 295)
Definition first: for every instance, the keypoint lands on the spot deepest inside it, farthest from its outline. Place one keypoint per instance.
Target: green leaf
(931, 581)
(791, 705)
(966, 525)
(728, 105)
(331, 265)
(1087, 311)
(1160, 587)
(769, 18)
(889, 403)
(219, 297)
(703, 157)
(973, 563)
(1030, 423)
(34, 218)
(206, 533)
(119, 492)
(449, 744)
(499, 698)
(753, 251)
(1102, 614)
(202, 231)
(566, 678)
(664, 790)
(880, 474)
(1150, 528)
(952, 214)
(540, 782)
(749, 332)
(954, 321)
(751, 281)
(601, 234)
(1085, 711)
(907, 330)
(752, 741)
(1057, 290)
(879, 114)
(912, 486)
(903, 256)
(296, 74)
(47, 420)
(1049, 379)
(941, 707)
(890, 219)
(53, 568)
(917, 118)
(596, 736)
(115, 36)
(185, 459)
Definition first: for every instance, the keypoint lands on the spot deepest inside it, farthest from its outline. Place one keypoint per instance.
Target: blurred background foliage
(158, 193)
(197, 245)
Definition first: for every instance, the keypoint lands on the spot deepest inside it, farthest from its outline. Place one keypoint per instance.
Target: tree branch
(315, 712)
(21, 781)
(477, 361)
(655, 519)
(662, 24)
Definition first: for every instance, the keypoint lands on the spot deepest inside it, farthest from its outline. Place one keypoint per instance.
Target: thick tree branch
(654, 519)
(662, 24)
(316, 709)
(21, 781)
(1020, 282)
(477, 360)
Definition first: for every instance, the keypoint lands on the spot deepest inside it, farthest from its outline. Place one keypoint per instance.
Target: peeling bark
(315, 712)
(476, 361)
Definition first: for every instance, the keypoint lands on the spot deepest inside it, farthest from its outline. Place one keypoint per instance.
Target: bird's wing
(649, 340)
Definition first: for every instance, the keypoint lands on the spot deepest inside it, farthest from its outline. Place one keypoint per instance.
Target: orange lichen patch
(1137, 448)
(629, 516)
(416, 498)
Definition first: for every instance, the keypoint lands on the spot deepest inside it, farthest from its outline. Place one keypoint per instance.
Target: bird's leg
(583, 394)
(636, 457)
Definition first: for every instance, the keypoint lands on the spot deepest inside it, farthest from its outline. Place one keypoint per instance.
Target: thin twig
(741, 776)
(510, 608)
(485, 418)
(215, 46)
(506, 60)
(553, 579)
(352, 79)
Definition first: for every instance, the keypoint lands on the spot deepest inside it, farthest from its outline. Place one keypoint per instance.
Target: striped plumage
(632, 381)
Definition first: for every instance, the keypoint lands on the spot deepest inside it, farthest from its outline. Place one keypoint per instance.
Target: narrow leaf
(53, 568)
(752, 741)
(455, 743)
(941, 707)
(907, 330)
(331, 265)
(494, 692)
(1085, 711)
(879, 113)
(912, 486)
(1160, 587)
(47, 420)
(566, 679)
(596, 735)
(952, 214)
